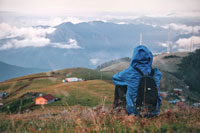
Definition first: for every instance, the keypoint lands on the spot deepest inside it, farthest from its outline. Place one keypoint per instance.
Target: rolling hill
(164, 62)
(87, 106)
(167, 63)
(11, 71)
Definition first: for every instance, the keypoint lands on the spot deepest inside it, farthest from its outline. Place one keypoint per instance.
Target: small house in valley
(3, 94)
(177, 91)
(45, 99)
(163, 94)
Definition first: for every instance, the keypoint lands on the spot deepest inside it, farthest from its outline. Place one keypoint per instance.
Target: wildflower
(79, 122)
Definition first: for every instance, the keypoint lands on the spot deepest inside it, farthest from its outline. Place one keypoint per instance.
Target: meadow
(100, 118)
(83, 107)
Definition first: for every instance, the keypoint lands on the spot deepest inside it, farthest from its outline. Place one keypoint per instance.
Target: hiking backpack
(147, 96)
(120, 97)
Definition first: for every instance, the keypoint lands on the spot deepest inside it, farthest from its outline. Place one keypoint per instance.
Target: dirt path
(29, 83)
(32, 78)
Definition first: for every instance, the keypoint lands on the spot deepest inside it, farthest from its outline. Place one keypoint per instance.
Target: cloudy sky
(36, 37)
(74, 6)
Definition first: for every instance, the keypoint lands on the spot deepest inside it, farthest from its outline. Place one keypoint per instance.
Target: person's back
(141, 60)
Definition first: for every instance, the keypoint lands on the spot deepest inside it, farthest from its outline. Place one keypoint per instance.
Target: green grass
(20, 83)
(40, 83)
(78, 119)
(29, 76)
(18, 105)
(89, 93)
(44, 82)
(75, 111)
(87, 74)
(80, 99)
(4, 87)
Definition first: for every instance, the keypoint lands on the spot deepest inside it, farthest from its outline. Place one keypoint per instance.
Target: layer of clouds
(184, 29)
(94, 61)
(33, 42)
(19, 37)
(164, 44)
(8, 31)
(29, 36)
(184, 44)
(59, 20)
(72, 43)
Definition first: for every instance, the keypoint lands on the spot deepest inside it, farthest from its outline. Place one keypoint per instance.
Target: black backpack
(120, 97)
(147, 96)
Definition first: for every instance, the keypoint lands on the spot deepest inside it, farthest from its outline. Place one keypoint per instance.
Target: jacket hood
(141, 56)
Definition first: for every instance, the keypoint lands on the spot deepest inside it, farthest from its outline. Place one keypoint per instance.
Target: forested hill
(189, 70)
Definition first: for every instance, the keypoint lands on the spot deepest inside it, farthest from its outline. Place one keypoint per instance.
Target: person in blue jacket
(143, 58)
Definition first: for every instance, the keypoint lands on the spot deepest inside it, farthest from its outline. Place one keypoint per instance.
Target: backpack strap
(152, 72)
(138, 70)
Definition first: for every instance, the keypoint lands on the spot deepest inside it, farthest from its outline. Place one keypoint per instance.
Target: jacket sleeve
(119, 78)
(131, 95)
(157, 77)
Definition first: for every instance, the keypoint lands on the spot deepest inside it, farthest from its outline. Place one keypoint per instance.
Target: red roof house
(45, 99)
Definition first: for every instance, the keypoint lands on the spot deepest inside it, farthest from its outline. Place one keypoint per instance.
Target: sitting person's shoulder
(157, 72)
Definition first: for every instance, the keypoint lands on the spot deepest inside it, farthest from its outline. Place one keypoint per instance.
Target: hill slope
(83, 106)
(164, 62)
(167, 63)
(10, 71)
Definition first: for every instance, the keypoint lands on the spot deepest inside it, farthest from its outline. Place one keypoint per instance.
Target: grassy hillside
(168, 62)
(41, 81)
(115, 65)
(85, 106)
(165, 62)
(100, 119)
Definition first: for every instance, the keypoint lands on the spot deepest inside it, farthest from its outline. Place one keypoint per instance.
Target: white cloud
(54, 21)
(184, 29)
(31, 37)
(94, 61)
(8, 31)
(122, 23)
(71, 44)
(184, 44)
(163, 44)
(33, 42)
(7, 45)
(5, 30)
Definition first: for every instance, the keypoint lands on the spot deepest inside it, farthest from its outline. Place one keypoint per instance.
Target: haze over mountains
(64, 43)
(10, 71)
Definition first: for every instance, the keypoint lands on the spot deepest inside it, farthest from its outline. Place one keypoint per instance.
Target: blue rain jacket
(143, 58)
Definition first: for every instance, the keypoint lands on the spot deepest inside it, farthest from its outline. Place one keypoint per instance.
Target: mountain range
(96, 40)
